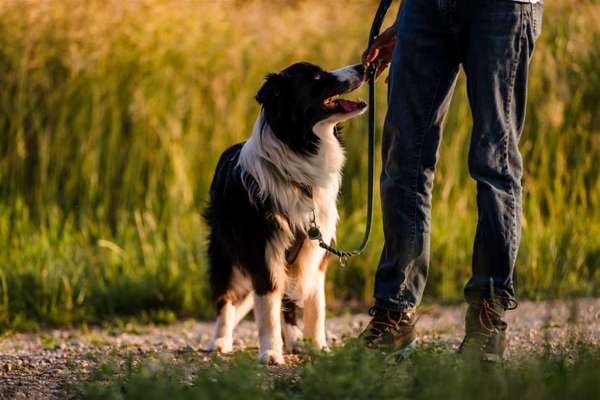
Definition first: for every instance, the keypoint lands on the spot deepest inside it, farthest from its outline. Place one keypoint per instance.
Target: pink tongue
(347, 105)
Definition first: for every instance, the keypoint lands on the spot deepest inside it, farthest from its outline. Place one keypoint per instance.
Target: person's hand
(381, 51)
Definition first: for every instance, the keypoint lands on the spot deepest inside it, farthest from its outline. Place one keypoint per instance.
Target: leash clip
(314, 233)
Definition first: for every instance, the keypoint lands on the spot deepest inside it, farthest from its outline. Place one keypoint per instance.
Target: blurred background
(113, 114)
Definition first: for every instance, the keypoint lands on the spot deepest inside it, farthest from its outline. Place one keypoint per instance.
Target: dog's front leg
(267, 308)
(314, 313)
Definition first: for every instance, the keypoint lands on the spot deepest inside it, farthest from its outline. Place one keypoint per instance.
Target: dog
(264, 195)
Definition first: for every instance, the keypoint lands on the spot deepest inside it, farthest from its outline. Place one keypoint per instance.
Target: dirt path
(38, 365)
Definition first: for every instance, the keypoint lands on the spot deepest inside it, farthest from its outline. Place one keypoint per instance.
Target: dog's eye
(317, 77)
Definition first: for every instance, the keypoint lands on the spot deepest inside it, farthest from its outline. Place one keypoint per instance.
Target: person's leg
(422, 77)
(500, 38)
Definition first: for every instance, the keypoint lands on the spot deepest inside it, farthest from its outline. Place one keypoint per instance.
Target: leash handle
(314, 233)
(378, 20)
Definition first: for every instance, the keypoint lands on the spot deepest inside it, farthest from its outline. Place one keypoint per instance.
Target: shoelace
(380, 325)
(488, 315)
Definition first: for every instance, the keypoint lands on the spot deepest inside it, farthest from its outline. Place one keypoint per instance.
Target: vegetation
(353, 372)
(113, 114)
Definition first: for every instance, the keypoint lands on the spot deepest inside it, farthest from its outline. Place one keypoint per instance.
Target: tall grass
(113, 114)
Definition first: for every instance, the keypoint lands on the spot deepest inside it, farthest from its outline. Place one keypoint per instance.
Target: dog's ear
(271, 89)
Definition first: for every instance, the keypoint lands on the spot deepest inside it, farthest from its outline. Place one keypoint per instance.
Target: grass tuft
(353, 372)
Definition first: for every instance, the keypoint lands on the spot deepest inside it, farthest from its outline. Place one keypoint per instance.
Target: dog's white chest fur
(279, 173)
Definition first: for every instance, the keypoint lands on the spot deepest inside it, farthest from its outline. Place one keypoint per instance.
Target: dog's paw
(322, 346)
(222, 345)
(317, 344)
(292, 338)
(325, 349)
(271, 357)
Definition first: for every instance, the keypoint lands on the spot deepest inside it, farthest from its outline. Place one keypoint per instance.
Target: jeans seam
(418, 178)
(509, 139)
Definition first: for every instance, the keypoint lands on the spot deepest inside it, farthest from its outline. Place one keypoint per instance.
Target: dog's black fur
(240, 227)
(244, 219)
(293, 103)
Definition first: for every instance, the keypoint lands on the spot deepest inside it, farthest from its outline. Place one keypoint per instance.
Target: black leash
(314, 233)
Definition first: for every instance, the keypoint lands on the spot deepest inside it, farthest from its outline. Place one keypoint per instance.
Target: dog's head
(303, 95)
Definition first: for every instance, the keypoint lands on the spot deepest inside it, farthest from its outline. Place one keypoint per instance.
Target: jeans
(493, 40)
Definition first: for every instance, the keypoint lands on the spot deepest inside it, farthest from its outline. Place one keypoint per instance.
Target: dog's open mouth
(337, 105)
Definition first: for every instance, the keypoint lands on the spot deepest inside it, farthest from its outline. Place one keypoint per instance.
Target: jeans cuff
(400, 306)
(508, 301)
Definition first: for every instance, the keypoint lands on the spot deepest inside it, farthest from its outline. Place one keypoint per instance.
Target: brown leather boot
(393, 330)
(485, 332)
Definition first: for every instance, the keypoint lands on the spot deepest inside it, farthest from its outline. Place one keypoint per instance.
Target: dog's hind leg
(221, 274)
(228, 317)
(269, 282)
(292, 334)
(243, 307)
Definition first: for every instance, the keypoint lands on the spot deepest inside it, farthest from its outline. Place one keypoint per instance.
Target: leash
(314, 233)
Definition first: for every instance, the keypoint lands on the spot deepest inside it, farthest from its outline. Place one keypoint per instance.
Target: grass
(113, 114)
(352, 372)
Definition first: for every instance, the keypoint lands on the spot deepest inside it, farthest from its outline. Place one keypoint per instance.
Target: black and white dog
(263, 196)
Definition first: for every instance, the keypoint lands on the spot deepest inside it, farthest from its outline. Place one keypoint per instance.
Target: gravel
(39, 365)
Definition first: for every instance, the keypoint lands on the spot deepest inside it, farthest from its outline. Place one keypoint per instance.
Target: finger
(373, 54)
(363, 58)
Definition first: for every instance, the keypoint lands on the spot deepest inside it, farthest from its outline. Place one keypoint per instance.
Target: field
(113, 114)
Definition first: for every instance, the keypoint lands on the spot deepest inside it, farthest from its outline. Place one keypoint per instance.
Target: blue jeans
(493, 40)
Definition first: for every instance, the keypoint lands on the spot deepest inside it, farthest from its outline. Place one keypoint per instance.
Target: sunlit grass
(351, 372)
(113, 114)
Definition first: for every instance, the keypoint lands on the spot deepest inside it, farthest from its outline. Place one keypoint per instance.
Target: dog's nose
(360, 69)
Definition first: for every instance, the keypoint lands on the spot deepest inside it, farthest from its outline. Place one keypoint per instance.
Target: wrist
(388, 36)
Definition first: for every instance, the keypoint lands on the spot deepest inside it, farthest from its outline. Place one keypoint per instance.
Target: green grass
(113, 114)
(352, 372)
